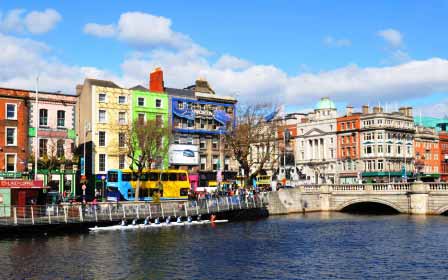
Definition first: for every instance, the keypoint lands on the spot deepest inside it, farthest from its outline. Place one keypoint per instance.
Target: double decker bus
(170, 184)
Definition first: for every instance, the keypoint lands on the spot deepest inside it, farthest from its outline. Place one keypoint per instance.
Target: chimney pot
(156, 80)
(365, 109)
(349, 110)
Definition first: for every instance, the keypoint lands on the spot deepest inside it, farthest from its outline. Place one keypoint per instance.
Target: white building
(316, 143)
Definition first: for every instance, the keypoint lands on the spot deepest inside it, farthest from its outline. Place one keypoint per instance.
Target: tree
(147, 142)
(252, 138)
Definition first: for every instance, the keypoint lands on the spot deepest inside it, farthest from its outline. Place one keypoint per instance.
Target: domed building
(316, 143)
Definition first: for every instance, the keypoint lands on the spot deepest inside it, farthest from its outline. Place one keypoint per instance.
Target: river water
(310, 246)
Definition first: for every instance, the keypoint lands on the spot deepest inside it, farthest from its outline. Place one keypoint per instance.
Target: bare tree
(147, 142)
(252, 138)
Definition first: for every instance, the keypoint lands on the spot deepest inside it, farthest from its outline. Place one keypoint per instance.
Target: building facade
(348, 147)
(13, 132)
(316, 143)
(426, 142)
(443, 149)
(387, 144)
(104, 115)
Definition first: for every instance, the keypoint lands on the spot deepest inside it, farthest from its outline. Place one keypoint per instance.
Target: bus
(171, 184)
(263, 182)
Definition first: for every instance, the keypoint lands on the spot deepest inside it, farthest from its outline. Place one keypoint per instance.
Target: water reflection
(313, 245)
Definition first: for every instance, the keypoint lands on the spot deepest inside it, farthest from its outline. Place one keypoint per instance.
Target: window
(43, 143)
(399, 150)
(141, 101)
(101, 162)
(121, 99)
(121, 139)
(380, 165)
(11, 111)
(226, 163)
(102, 97)
(202, 143)
(215, 162)
(158, 103)
(202, 122)
(43, 117)
(342, 126)
(10, 162)
(102, 116)
(380, 136)
(60, 151)
(61, 118)
(11, 136)
(380, 149)
(215, 143)
(389, 149)
(180, 105)
(121, 161)
(101, 138)
(203, 162)
(122, 117)
(141, 117)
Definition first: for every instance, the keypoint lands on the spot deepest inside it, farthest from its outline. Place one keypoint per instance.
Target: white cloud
(231, 62)
(34, 22)
(100, 30)
(392, 36)
(438, 110)
(333, 42)
(42, 22)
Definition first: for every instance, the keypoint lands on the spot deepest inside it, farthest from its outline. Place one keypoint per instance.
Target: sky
(291, 53)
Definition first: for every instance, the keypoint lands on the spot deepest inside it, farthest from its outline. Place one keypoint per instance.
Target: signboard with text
(22, 184)
(184, 154)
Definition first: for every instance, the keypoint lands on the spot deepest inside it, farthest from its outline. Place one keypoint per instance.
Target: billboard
(184, 154)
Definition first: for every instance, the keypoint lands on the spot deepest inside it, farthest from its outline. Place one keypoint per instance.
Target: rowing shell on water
(153, 225)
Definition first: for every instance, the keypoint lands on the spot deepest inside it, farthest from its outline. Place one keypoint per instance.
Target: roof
(429, 122)
(102, 83)
(325, 103)
(139, 87)
(180, 92)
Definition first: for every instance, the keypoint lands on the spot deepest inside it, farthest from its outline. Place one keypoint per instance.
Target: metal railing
(66, 213)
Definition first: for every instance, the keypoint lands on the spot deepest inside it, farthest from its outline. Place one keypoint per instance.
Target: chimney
(402, 110)
(376, 109)
(349, 110)
(409, 111)
(156, 80)
(365, 109)
(78, 90)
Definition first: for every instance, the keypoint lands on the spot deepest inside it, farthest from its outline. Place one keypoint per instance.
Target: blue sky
(291, 52)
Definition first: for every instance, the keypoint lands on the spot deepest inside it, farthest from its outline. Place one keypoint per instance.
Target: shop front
(20, 193)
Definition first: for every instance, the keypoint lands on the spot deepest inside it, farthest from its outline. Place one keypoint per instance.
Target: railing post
(217, 203)
(124, 211)
(32, 215)
(174, 212)
(227, 202)
(65, 214)
(110, 213)
(138, 216)
(197, 208)
(239, 201)
(49, 216)
(81, 218)
(247, 202)
(96, 214)
(255, 204)
(186, 209)
(149, 208)
(161, 208)
(206, 203)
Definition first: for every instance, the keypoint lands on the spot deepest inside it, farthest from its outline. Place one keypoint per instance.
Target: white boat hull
(152, 225)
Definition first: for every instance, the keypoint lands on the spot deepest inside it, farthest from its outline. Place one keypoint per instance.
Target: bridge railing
(351, 187)
(387, 187)
(65, 213)
(311, 188)
(438, 187)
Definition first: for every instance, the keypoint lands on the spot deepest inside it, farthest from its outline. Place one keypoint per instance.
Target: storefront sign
(21, 184)
(11, 174)
(184, 154)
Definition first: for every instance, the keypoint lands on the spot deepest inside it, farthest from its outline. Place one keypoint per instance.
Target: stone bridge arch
(393, 205)
(442, 210)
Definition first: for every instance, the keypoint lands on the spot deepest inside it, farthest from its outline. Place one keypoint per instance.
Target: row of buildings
(85, 132)
(370, 145)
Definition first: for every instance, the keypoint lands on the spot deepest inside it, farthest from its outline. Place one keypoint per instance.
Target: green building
(149, 105)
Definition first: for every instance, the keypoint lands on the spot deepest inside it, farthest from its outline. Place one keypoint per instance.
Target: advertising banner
(184, 154)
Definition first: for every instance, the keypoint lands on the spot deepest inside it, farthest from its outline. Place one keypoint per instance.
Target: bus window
(126, 177)
(172, 177)
(164, 177)
(154, 176)
(112, 176)
(182, 177)
(144, 177)
(184, 192)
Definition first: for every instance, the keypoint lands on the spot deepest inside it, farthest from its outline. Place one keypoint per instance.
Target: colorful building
(443, 149)
(102, 120)
(13, 132)
(56, 139)
(348, 146)
(426, 143)
(151, 104)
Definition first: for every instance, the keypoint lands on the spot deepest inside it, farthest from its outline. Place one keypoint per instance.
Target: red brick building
(443, 150)
(427, 152)
(13, 132)
(348, 145)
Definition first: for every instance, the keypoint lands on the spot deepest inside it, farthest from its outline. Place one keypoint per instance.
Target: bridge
(409, 198)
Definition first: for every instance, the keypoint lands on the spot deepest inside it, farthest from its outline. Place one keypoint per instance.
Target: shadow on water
(370, 208)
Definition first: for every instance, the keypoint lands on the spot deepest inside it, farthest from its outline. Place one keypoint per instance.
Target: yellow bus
(171, 184)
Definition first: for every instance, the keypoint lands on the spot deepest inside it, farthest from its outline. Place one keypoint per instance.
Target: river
(310, 246)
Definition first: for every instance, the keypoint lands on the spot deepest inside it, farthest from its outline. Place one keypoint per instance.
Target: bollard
(110, 213)
(32, 215)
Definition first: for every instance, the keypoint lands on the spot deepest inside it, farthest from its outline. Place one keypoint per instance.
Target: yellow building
(103, 117)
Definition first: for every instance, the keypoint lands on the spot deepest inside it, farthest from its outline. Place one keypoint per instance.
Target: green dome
(325, 103)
